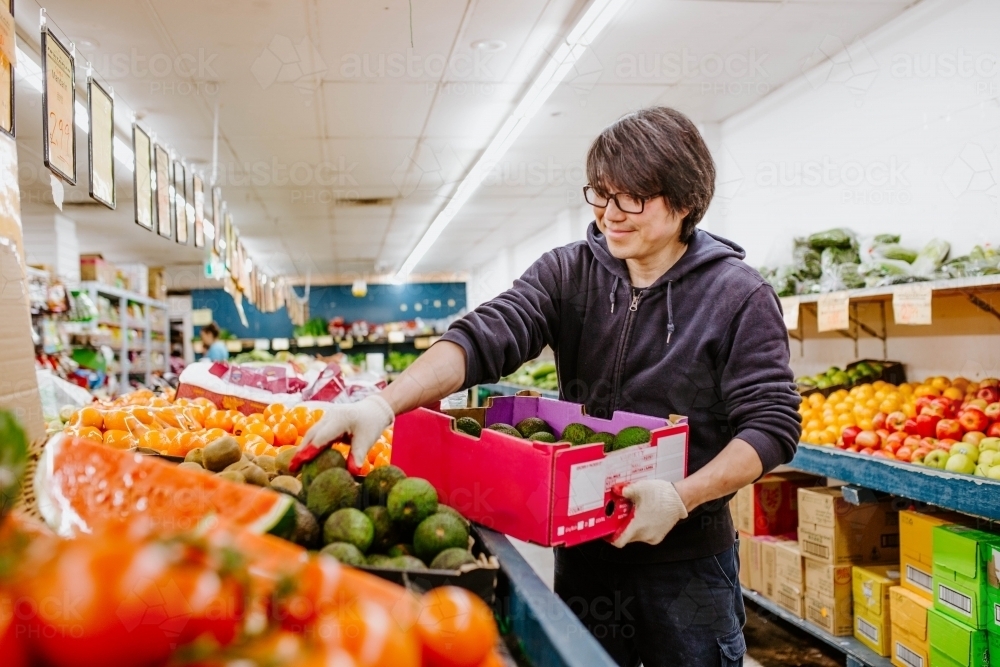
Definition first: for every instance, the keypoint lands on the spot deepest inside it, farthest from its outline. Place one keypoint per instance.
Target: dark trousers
(686, 613)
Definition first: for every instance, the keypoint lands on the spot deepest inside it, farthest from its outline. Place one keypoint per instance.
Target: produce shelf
(549, 633)
(508, 389)
(964, 493)
(939, 287)
(857, 653)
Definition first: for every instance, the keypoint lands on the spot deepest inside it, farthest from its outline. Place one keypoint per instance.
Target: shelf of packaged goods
(107, 290)
(939, 287)
(964, 493)
(857, 654)
(547, 631)
(136, 325)
(508, 389)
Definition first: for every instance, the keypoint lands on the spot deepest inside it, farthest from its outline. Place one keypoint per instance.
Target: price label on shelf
(790, 309)
(832, 311)
(911, 304)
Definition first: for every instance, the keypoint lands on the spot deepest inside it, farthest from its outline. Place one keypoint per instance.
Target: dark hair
(652, 152)
(211, 328)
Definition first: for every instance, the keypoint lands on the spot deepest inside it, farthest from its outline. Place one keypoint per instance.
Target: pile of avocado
(533, 428)
(389, 520)
(861, 373)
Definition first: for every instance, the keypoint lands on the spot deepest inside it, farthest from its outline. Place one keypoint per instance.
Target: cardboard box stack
(916, 548)
(965, 581)
(789, 578)
(872, 617)
(910, 642)
(834, 535)
(93, 267)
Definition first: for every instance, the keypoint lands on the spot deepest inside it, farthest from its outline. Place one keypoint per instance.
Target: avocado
(447, 509)
(542, 436)
(290, 485)
(531, 425)
(221, 453)
(379, 560)
(576, 434)
(437, 533)
(411, 501)
(375, 489)
(506, 429)
(469, 426)
(385, 533)
(346, 553)
(306, 532)
(630, 435)
(452, 559)
(840, 378)
(328, 459)
(284, 459)
(400, 550)
(603, 436)
(332, 490)
(349, 525)
(406, 563)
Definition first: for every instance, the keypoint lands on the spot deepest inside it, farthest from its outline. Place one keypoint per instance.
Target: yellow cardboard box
(872, 618)
(916, 549)
(834, 531)
(910, 641)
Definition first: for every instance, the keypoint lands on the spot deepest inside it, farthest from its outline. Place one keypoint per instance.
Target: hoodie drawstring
(614, 289)
(670, 312)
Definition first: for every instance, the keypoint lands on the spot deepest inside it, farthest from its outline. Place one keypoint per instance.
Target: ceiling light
(489, 45)
(557, 66)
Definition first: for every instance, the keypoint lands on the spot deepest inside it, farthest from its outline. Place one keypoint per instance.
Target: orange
(275, 409)
(155, 440)
(115, 420)
(221, 419)
(255, 418)
(184, 443)
(285, 433)
(212, 434)
(240, 426)
(249, 441)
(88, 416)
(201, 400)
(382, 459)
(263, 430)
(456, 627)
(88, 432)
(119, 439)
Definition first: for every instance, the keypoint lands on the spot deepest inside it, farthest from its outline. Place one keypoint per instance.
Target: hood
(702, 249)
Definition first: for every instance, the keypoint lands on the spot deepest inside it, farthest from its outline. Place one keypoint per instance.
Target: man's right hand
(364, 421)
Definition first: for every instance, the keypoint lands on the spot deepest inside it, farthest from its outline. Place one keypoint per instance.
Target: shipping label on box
(834, 616)
(789, 598)
(993, 611)
(955, 644)
(872, 631)
(964, 572)
(828, 581)
(908, 650)
(916, 547)
(871, 588)
(788, 566)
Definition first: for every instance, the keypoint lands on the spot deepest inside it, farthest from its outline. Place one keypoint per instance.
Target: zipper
(626, 335)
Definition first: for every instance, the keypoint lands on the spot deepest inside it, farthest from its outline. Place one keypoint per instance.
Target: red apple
(882, 434)
(867, 450)
(947, 406)
(904, 453)
(898, 436)
(913, 441)
(895, 421)
(918, 455)
(926, 425)
(975, 403)
(948, 428)
(849, 434)
(973, 437)
(922, 402)
(852, 448)
(911, 427)
(988, 394)
(878, 421)
(992, 411)
(945, 443)
(973, 419)
(933, 411)
(989, 382)
(994, 430)
(882, 454)
(892, 446)
(866, 439)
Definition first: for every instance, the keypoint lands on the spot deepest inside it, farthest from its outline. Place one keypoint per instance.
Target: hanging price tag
(832, 311)
(790, 309)
(7, 44)
(911, 304)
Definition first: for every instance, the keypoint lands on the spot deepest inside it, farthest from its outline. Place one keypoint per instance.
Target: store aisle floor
(769, 644)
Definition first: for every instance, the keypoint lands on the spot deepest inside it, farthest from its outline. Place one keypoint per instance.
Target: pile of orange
(175, 427)
(379, 455)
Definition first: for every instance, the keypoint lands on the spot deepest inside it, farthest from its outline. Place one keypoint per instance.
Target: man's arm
(436, 373)
(736, 466)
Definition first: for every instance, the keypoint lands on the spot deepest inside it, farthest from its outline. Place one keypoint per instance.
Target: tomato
(301, 598)
(370, 634)
(456, 627)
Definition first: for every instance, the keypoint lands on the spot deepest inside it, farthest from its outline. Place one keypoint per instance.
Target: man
(648, 315)
(215, 349)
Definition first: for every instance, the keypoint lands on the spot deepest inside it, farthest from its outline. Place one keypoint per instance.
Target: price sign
(8, 46)
(143, 183)
(911, 304)
(833, 311)
(790, 310)
(161, 172)
(59, 107)
(101, 144)
(199, 210)
(8, 54)
(180, 202)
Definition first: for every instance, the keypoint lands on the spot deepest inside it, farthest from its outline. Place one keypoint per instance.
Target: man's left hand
(656, 510)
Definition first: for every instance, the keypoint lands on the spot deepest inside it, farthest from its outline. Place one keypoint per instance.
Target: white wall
(900, 133)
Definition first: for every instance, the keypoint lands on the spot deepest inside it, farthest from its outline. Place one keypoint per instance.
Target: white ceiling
(294, 98)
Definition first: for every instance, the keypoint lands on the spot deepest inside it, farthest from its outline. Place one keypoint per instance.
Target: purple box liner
(559, 414)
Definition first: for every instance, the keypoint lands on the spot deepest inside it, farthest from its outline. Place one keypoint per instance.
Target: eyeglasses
(625, 203)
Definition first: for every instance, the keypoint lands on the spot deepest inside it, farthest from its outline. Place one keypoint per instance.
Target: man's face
(639, 235)
(207, 338)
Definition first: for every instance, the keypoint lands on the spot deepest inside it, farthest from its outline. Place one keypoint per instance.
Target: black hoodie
(706, 340)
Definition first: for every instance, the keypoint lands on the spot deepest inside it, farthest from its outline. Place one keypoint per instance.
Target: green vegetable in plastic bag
(930, 258)
(884, 239)
(806, 261)
(832, 238)
(834, 256)
(896, 251)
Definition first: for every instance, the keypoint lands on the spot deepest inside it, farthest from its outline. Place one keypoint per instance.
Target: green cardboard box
(993, 613)
(955, 644)
(994, 641)
(964, 571)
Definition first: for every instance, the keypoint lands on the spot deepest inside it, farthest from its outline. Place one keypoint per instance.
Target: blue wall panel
(383, 303)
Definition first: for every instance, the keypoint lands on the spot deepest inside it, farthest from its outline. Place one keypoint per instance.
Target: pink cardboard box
(549, 494)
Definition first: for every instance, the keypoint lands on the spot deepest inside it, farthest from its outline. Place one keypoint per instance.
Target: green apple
(980, 471)
(994, 472)
(960, 463)
(966, 448)
(988, 458)
(936, 458)
(989, 443)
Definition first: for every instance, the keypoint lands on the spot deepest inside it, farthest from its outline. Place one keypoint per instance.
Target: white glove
(656, 510)
(364, 421)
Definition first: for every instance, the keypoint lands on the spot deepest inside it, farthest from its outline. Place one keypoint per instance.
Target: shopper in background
(648, 315)
(215, 349)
